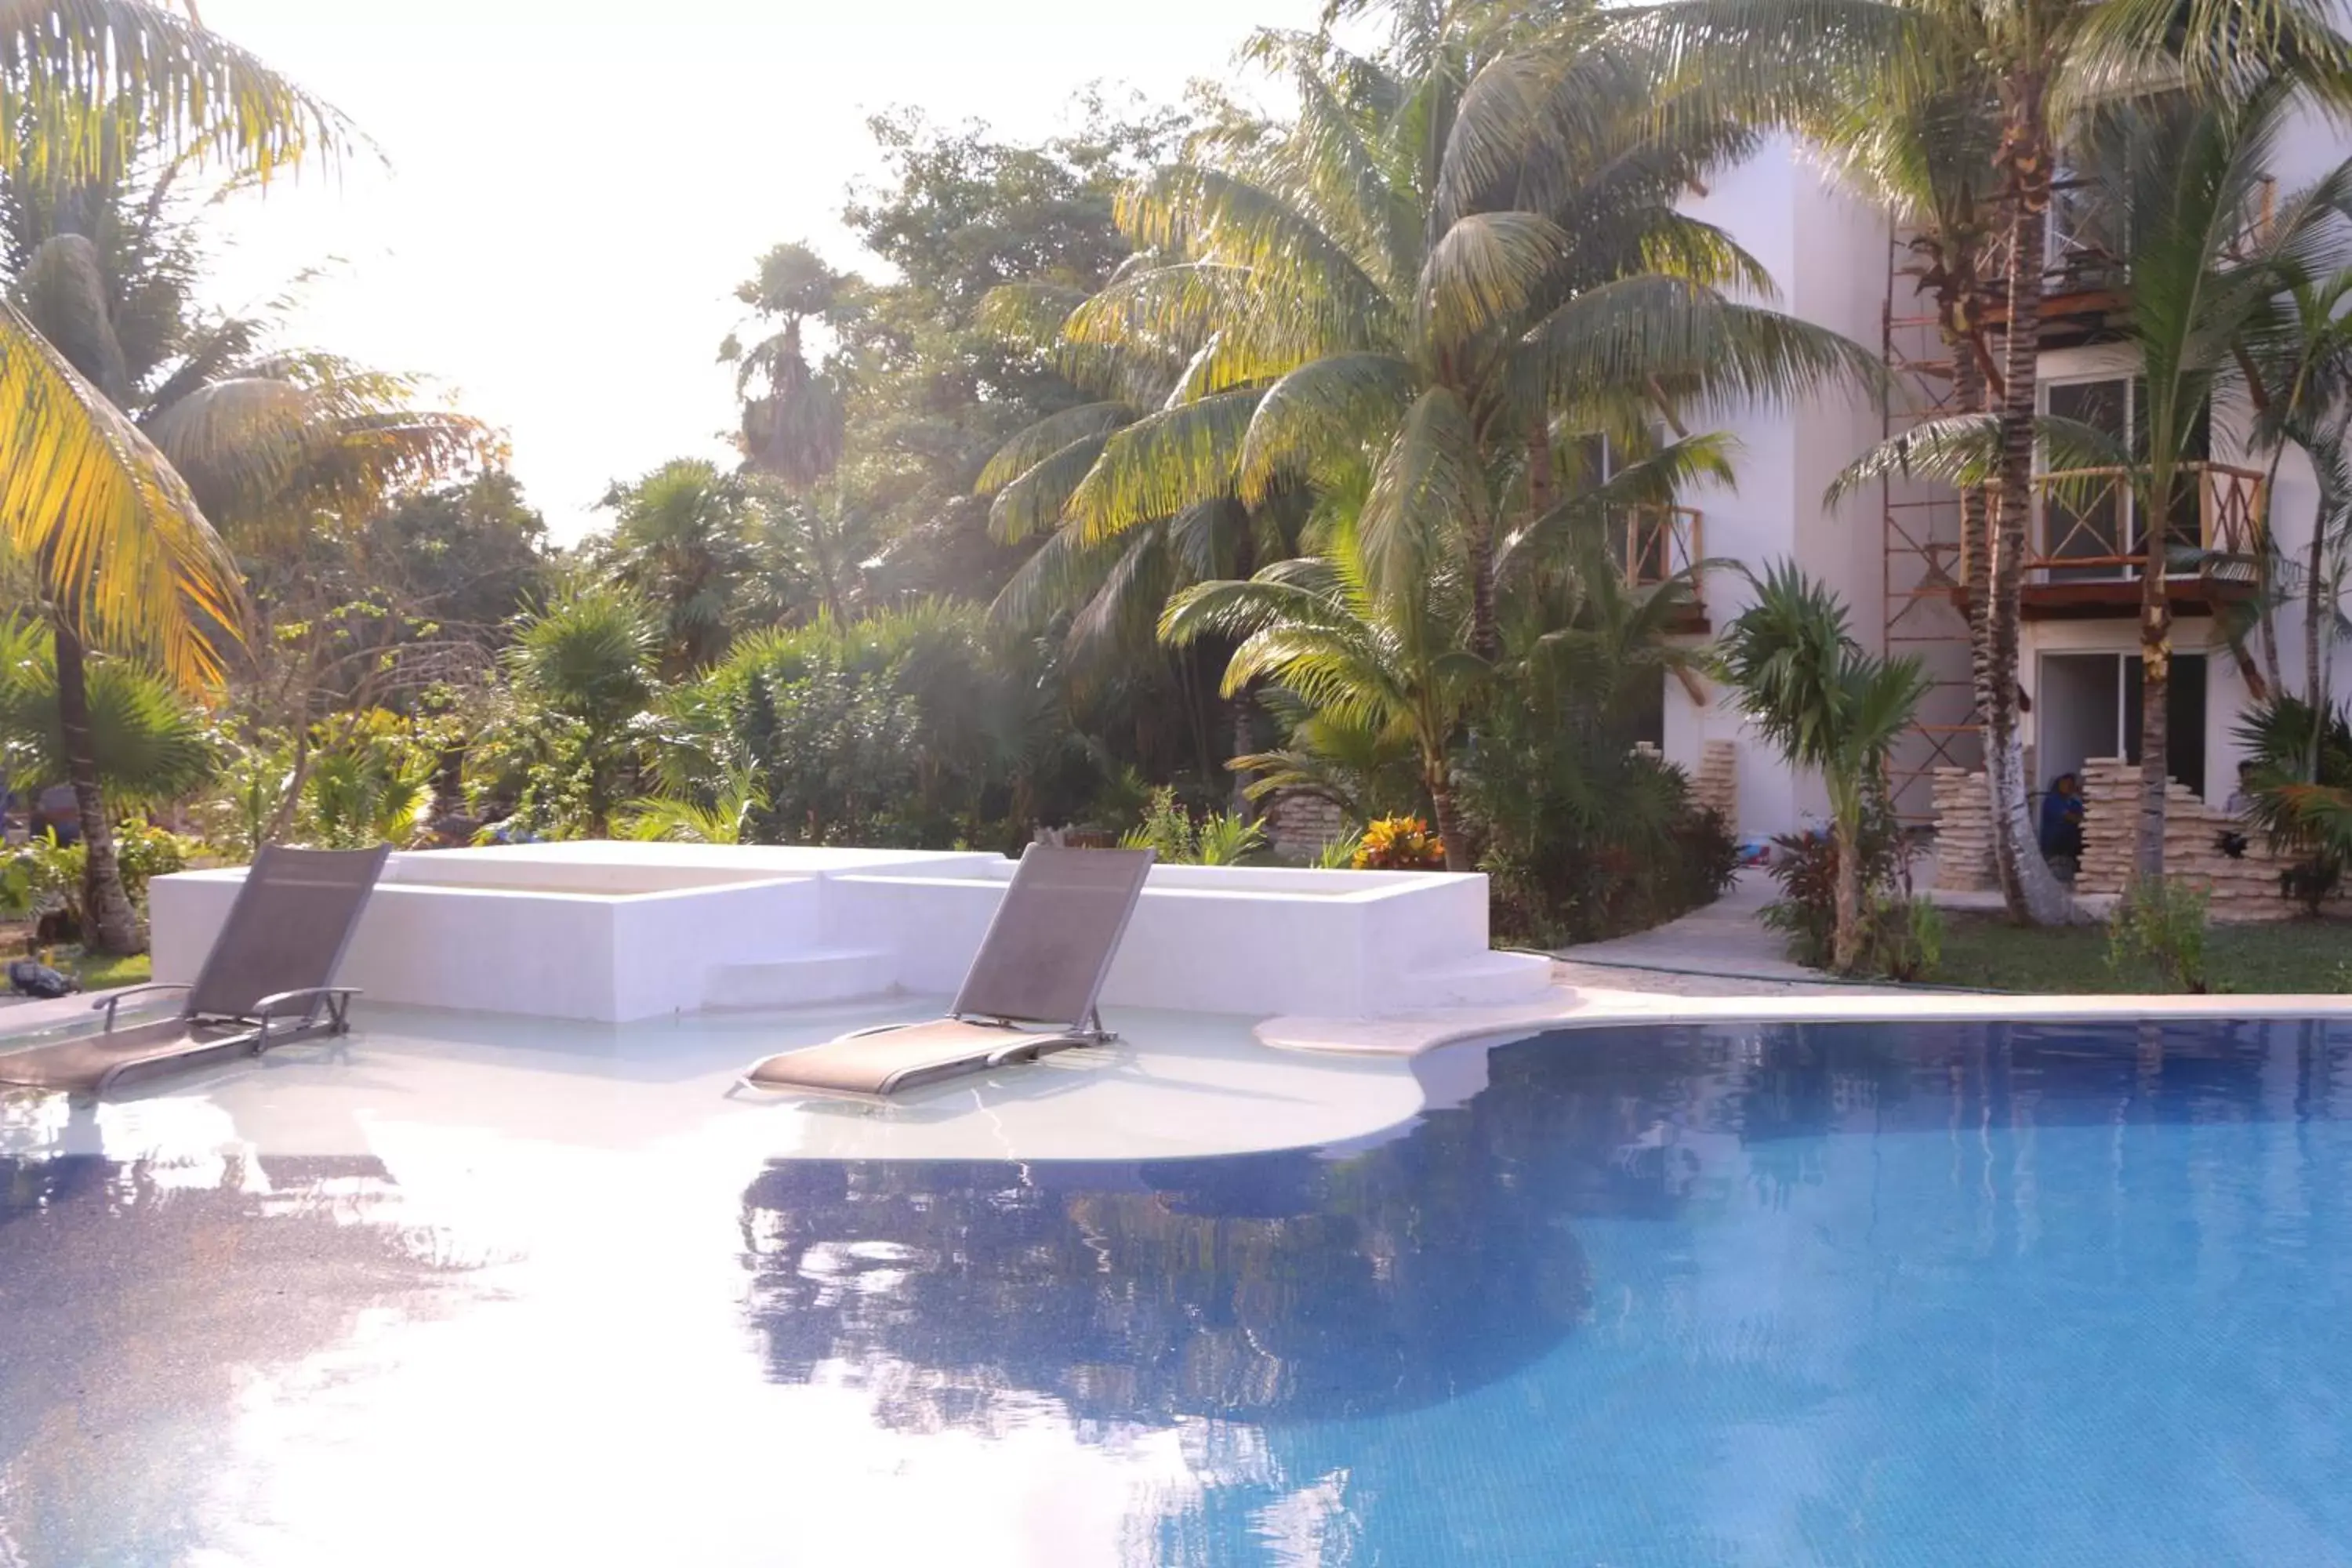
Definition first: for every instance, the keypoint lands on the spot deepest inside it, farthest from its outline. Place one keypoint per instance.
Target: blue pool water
(1723, 1295)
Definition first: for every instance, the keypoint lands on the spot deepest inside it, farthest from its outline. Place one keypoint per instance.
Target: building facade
(1893, 551)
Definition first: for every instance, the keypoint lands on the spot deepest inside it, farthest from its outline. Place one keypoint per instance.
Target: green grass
(2301, 956)
(105, 973)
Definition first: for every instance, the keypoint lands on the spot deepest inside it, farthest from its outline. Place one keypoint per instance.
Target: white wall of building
(1827, 256)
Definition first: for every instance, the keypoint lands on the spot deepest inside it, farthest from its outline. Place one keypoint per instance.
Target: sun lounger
(1032, 987)
(268, 980)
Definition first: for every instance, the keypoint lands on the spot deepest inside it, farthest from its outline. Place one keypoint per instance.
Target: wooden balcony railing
(1654, 543)
(2086, 247)
(2088, 527)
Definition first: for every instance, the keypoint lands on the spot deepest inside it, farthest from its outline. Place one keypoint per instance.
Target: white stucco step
(1484, 979)
(817, 975)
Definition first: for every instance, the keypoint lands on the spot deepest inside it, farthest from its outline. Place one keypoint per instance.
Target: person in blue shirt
(2061, 818)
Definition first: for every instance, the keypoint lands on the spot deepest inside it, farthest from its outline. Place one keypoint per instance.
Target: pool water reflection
(1944, 1294)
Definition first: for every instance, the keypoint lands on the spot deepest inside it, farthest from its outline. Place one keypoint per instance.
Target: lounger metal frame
(1087, 1029)
(259, 1029)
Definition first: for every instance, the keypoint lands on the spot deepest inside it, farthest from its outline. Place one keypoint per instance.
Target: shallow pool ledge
(1574, 1006)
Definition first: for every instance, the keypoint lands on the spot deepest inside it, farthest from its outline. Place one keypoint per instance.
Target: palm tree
(268, 441)
(1373, 656)
(682, 543)
(2206, 287)
(151, 744)
(1827, 705)
(1461, 246)
(2033, 68)
(120, 549)
(588, 657)
(2301, 388)
(793, 414)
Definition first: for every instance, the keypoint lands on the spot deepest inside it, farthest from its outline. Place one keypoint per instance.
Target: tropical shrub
(1170, 832)
(42, 879)
(2301, 794)
(1900, 936)
(1586, 836)
(2158, 929)
(370, 785)
(151, 745)
(1828, 705)
(725, 818)
(913, 727)
(1399, 844)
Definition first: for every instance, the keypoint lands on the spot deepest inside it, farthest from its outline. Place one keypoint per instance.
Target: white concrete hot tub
(617, 932)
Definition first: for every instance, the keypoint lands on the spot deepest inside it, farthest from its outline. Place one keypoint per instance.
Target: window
(2095, 519)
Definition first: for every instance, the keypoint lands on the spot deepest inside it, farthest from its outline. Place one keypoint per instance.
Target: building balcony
(2089, 548)
(2085, 273)
(1653, 544)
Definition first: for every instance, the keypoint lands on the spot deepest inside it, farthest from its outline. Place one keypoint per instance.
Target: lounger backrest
(1049, 948)
(288, 929)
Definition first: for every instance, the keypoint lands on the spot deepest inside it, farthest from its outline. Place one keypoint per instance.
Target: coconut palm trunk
(2028, 885)
(2156, 683)
(1846, 943)
(1439, 781)
(109, 924)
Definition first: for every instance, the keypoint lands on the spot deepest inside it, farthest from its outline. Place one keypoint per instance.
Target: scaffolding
(1922, 593)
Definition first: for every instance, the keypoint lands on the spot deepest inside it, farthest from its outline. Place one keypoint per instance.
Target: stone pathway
(1723, 950)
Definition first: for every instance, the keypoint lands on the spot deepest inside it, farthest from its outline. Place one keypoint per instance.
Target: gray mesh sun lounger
(1032, 989)
(268, 979)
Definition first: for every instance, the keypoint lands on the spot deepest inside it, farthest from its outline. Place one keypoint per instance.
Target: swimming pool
(1837, 1294)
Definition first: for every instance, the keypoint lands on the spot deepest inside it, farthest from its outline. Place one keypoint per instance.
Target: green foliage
(370, 787)
(1900, 937)
(1827, 705)
(682, 544)
(2158, 931)
(1340, 854)
(913, 727)
(150, 745)
(2302, 795)
(1586, 839)
(584, 669)
(729, 816)
(43, 878)
(1178, 838)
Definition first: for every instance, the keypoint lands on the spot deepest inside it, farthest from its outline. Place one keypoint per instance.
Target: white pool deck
(1299, 1008)
(437, 1094)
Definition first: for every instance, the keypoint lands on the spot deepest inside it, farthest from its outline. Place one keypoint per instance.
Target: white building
(1893, 552)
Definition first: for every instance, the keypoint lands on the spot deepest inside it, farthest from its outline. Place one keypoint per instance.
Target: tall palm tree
(2042, 64)
(1463, 245)
(2209, 290)
(116, 541)
(793, 417)
(2301, 388)
(268, 441)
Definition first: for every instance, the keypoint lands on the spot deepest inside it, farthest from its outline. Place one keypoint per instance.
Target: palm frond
(119, 542)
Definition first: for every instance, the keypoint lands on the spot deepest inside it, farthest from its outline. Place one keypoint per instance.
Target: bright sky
(575, 188)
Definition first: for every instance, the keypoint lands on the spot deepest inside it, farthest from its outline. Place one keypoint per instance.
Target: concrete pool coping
(422, 1089)
(1581, 1006)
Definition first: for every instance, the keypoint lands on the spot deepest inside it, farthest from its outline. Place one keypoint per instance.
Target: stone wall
(1963, 832)
(1298, 826)
(2241, 888)
(1716, 785)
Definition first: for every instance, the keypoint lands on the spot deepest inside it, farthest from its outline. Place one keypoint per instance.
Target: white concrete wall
(1827, 257)
(449, 929)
